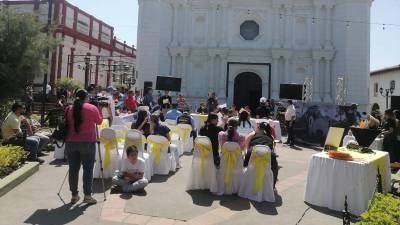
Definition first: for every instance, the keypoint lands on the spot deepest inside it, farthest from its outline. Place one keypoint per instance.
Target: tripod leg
(101, 162)
(65, 178)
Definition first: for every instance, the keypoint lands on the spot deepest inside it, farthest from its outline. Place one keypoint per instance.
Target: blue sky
(385, 43)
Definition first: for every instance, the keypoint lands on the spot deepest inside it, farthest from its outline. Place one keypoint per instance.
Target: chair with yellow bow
(258, 181)
(230, 173)
(121, 132)
(162, 161)
(109, 154)
(170, 122)
(184, 133)
(135, 138)
(203, 174)
(176, 138)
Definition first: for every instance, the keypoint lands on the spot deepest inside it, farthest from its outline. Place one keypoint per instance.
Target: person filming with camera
(82, 119)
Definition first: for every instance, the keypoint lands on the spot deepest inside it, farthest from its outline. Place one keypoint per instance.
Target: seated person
(211, 130)
(373, 123)
(142, 123)
(173, 113)
(31, 131)
(245, 125)
(13, 135)
(263, 136)
(158, 129)
(186, 118)
(202, 109)
(131, 178)
(231, 134)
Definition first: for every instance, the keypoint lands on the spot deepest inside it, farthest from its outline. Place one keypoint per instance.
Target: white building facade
(386, 78)
(242, 50)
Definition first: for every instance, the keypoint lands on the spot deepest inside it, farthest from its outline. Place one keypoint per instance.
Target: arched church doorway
(248, 90)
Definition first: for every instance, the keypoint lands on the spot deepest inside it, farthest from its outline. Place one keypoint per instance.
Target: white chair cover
(170, 122)
(247, 188)
(134, 136)
(176, 140)
(167, 160)
(115, 157)
(237, 172)
(187, 142)
(121, 131)
(206, 180)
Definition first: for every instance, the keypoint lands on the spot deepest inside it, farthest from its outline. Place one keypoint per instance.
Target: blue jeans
(32, 145)
(81, 153)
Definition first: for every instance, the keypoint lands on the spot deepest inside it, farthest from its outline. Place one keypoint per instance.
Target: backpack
(61, 131)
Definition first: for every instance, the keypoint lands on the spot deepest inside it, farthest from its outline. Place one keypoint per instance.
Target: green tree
(22, 51)
(69, 84)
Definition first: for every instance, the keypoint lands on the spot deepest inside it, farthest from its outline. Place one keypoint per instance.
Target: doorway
(247, 90)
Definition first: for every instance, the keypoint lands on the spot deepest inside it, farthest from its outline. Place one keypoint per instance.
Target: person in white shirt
(131, 178)
(290, 118)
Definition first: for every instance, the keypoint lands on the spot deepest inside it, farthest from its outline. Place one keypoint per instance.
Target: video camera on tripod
(98, 101)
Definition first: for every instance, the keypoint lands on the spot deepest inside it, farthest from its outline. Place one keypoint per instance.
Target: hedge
(382, 210)
(11, 158)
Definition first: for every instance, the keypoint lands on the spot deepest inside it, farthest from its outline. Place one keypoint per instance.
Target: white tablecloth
(330, 180)
(124, 119)
(377, 144)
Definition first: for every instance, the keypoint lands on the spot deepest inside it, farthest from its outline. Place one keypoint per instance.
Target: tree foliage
(69, 84)
(22, 51)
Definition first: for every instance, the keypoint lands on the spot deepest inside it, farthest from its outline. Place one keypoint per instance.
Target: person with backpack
(80, 145)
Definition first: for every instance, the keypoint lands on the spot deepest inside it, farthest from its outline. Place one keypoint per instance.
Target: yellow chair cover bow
(203, 118)
(135, 142)
(109, 144)
(183, 132)
(104, 124)
(230, 157)
(204, 151)
(156, 149)
(259, 163)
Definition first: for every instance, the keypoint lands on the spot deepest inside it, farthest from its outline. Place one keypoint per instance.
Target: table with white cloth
(124, 119)
(377, 144)
(275, 124)
(330, 180)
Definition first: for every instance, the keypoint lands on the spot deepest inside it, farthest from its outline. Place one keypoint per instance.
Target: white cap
(263, 100)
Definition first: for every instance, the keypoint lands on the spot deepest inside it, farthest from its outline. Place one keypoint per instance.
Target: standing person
(290, 118)
(130, 102)
(131, 178)
(108, 110)
(48, 91)
(148, 99)
(80, 144)
(13, 135)
(211, 130)
(389, 139)
(263, 111)
(212, 102)
(138, 98)
(180, 100)
(174, 113)
(165, 101)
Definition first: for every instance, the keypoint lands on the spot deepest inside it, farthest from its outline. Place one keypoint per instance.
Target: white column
(317, 21)
(287, 69)
(222, 76)
(316, 81)
(175, 7)
(277, 18)
(184, 73)
(211, 73)
(288, 26)
(327, 82)
(328, 27)
(186, 25)
(173, 65)
(275, 78)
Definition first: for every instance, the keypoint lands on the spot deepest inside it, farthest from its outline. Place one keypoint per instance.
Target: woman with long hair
(245, 126)
(82, 119)
(389, 132)
(231, 134)
(142, 123)
(211, 130)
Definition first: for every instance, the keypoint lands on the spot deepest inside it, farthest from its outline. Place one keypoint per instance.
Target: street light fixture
(388, 92)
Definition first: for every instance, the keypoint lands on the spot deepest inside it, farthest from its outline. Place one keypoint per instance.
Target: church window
(249, 30)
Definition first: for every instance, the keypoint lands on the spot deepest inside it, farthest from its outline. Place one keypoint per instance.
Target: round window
(249, 29)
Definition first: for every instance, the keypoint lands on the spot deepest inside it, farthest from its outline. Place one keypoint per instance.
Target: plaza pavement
(35, 201)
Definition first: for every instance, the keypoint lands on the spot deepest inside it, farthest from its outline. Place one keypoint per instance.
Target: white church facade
(244, 49)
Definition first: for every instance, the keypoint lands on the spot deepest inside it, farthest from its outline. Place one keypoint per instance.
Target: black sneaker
(116, 189)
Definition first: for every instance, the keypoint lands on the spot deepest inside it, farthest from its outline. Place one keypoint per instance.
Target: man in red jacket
(130, 102)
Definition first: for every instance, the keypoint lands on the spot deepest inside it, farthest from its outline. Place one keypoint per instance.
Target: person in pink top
(231, 134)
(80, 145)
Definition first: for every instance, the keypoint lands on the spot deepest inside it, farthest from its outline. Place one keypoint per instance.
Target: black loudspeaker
(291, 91)
(168, 84)
(395, 102)
(147, 85)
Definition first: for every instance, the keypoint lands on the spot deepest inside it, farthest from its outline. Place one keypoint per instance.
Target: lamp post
(388, 92)
(87, 71)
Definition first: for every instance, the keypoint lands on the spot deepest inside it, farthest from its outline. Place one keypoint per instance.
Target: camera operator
(80, 146)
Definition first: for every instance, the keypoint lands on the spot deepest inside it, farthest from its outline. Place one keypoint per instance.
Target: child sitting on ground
(131, 178)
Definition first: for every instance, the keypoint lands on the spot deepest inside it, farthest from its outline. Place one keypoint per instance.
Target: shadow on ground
(58, 216)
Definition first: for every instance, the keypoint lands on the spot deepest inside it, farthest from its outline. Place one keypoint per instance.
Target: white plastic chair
(247, 188)
(203, 178)
(167, 161)
(187, 141)
(134, 136)
(115, 157)
(233, 186)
